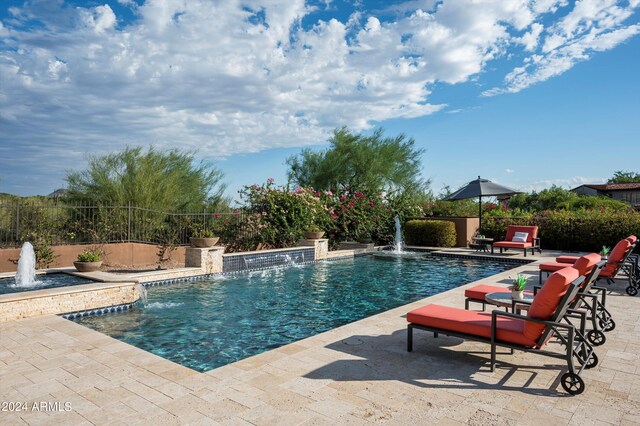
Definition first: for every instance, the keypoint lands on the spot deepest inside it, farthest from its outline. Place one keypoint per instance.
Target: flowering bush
(279, 215)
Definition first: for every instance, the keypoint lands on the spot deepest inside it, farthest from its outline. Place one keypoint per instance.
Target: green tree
(624, 177)
(365, 163)
(162, 180)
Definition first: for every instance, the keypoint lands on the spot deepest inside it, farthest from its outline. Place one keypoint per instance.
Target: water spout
(26, 274)
(398, 244)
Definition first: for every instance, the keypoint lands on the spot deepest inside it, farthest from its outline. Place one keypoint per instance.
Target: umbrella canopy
(480, 188)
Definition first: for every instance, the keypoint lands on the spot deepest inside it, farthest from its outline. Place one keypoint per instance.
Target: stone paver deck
(356, 374)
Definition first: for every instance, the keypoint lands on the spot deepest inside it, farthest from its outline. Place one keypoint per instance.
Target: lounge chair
(517, 239)
(621, 259)
(477, 293)
(529, 333)
(593, 305)
(550, 267)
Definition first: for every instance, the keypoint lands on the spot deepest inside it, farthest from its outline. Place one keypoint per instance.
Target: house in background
(627, 192)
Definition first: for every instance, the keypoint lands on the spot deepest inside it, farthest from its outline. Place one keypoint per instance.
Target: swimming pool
(207, 324)
(7, 285)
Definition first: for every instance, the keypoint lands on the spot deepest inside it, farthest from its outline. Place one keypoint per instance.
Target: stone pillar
(321, 247)
(208, 259)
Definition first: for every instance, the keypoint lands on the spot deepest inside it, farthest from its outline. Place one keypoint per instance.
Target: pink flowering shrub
(280, 215)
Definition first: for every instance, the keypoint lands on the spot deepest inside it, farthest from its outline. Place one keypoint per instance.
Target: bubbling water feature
(26, 274)
(398, 244)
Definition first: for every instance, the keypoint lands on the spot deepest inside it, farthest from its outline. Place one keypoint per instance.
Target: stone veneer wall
(64, 300)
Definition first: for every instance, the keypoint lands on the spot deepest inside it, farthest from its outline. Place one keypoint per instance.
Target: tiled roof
(613, 186)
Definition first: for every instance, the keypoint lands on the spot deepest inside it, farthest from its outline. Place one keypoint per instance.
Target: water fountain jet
(26, 273)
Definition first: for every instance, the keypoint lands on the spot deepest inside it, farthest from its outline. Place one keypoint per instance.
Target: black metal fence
(77, 224)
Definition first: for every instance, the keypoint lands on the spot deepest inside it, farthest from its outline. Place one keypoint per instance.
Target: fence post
(129, 224)
(17, 222)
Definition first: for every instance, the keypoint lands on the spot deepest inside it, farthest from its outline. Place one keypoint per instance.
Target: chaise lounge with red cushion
(621, 259)
(478, 293)
(529, 333)
(592, 304)
(550, 267)
(520, 237)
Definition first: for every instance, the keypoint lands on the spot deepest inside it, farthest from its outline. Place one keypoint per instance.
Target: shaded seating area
(519, 237)
(531, 333)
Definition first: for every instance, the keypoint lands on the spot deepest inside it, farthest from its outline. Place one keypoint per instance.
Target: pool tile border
(99, 311)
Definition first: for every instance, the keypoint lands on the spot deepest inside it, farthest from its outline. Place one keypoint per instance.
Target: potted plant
(605, 252)
(203, 238)
(517, 289)
(89, 260)
(313, 232)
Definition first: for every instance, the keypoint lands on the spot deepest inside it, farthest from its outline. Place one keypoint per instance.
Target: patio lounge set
(566, 315)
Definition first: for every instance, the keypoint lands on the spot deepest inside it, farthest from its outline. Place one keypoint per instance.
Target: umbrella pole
(480, 215)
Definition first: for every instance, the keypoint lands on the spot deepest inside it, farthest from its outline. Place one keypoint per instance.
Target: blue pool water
(7, 285)
(207, 324)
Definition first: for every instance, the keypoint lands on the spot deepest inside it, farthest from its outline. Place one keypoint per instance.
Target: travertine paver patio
(357, 374)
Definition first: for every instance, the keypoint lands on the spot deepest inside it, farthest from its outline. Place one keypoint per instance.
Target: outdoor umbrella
(480, 188)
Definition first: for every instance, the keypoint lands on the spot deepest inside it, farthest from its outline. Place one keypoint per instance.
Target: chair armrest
(495, 313)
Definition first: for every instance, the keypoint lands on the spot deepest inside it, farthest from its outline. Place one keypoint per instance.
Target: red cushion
(546, 301)
(511, 244)
(632, 239)
(567, 259)
(585, 264)
(582, 264)
(616, 256)
(552, 266)
(470, 322)
(479, 291)
(531, 230)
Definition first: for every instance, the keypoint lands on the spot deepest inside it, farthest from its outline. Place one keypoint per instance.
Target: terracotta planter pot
(87, 266)
(204, 242)
(313, 235)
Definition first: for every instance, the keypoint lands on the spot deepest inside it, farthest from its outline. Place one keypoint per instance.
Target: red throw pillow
(546, 301)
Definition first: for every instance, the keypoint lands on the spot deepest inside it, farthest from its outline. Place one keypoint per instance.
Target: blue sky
(526, 93)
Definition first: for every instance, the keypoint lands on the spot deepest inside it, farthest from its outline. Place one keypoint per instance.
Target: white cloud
(591, 26)
(225, 79)
(567, 183)
(509, 171)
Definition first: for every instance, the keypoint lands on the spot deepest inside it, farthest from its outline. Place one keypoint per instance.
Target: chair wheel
(607, 325)
(632, 291)
(592, 361)
(596, 337)
(572, 383)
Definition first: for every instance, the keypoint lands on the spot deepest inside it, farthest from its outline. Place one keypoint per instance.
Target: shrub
(42, 248)
(280, 216)
(434, 233)
(91, 255)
